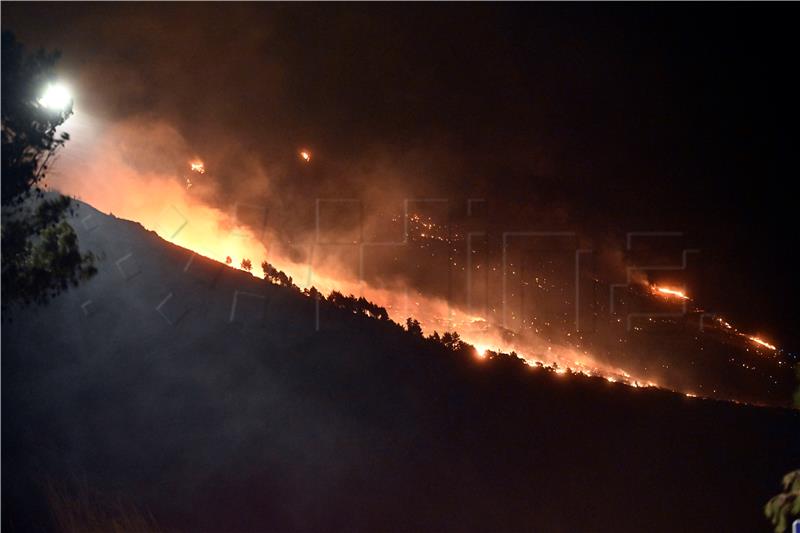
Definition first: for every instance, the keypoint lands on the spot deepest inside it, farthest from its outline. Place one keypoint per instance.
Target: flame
(762, 342)
(161, 203)
(669, 292)
(482, 350)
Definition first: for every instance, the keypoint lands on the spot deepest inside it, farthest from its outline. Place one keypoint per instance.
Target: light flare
(57, 97)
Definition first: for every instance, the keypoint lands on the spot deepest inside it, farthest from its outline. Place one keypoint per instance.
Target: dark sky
(600, 118)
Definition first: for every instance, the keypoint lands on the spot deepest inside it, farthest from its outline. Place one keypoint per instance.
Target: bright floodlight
(56, 97)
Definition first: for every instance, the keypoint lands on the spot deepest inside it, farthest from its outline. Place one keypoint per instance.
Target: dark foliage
(785, 507)
(452, 340)
(797, 392)
(278, 277)
(41, 256)
(413, 327)
(358, 306)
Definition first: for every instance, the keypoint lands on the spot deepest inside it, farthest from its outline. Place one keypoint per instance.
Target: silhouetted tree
(373, 310)
(348, 303)
(247, 265)
(278, 277)
(228, 260)
(451, 340)
(413, 327)
(358, 306)
(313, 293)
(41, 256)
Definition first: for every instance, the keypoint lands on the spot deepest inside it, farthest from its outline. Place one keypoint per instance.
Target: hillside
(211, 399)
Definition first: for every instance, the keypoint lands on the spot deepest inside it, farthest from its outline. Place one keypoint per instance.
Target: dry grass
(78, 509)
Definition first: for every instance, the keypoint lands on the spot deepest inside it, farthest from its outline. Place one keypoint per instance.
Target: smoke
(459, 196)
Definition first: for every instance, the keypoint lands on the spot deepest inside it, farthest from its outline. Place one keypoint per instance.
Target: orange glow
(161, 202)
(669, 292)
(482, 351)
(762, 342)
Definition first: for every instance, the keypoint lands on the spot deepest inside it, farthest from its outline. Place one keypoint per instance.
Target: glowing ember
(198, 166)
(481, 351)
(669, 293)
(762, 342)
(305, 155)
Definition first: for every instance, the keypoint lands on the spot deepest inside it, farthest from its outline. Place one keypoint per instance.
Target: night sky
(596, 119)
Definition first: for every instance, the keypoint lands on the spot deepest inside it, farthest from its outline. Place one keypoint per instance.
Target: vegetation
(41, 255)
(358, 306)
(797, 392)
(358, 413)
(452, 341)
(413, 327)
(785, 507)
(76, 508)
(278, 277)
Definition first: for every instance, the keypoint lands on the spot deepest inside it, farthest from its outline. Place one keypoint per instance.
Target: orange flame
(161, 203)
(762, 342)
(668, 292)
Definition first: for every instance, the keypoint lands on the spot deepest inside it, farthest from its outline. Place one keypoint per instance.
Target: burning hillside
(431, 268)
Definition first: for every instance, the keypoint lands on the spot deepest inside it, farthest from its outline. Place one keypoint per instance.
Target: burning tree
(247, 265)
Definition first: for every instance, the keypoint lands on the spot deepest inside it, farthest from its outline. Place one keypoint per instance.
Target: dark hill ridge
(209, 398)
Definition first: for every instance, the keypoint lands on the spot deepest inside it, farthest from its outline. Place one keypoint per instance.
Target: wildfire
(482, 350)
(217, 235)
(669, 292)
(762, 342)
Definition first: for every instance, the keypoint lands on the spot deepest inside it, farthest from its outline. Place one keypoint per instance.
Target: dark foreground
(215, 418)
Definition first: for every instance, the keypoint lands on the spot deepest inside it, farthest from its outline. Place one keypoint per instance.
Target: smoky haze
(597, 122)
